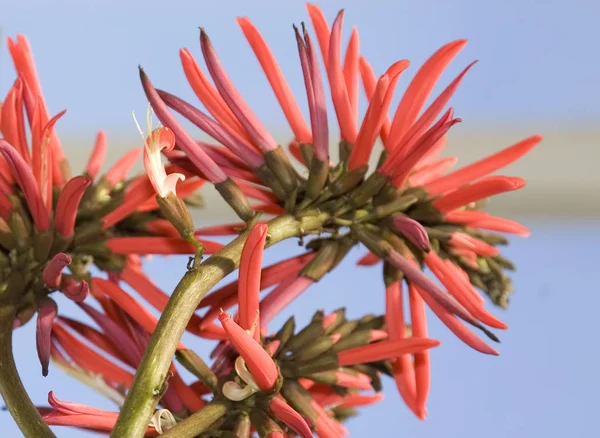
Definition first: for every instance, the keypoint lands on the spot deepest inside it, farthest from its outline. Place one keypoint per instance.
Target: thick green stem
(13, 393)
(150, 377)
(198, 422)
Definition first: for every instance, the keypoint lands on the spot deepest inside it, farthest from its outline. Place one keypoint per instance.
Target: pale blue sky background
(538, 64)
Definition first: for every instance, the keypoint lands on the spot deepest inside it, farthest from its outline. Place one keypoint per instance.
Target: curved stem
(149, 381)
(199, 421)
(17, 401)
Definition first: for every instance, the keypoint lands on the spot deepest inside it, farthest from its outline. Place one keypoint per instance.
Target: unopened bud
(175, 211)
(263, 423)
(42, 242)
(233, 195)
(277, 160)
(322, 263)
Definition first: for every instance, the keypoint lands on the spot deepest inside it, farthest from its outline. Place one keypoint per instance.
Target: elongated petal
(384, 350)
(121, 168)
(97, 156)
(277, 80)
(46, 313)
(157, 245)
(483, 167)
(490, 186)
(280, 297)
(52, 273)
(234, 100)
(68, 204)
(290, 417)
(24, 176)
(259, 363)
(184, 141)
(249, 282)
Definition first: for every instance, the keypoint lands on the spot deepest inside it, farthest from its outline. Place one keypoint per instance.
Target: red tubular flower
(351, 68)
(249, 279)
(185, 142)
(68, 204)
(419, 89)
(315, 95)
(276, 80)
(46, 313)
(119, 171)
(490, 186)
(421, 364)
(403, 369)
(157, 245)
(233, 99)
(134, 309)
(24, 176)
(339, 92)
(97, 156)
(261, 366)
(290, 417)
(231, 140)
(384, 350)
(23, 60)
(280, 297)
(74, 290)
(52, 273)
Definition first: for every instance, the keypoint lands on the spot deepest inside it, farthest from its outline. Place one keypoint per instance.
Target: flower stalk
(13, 393)
(152, 372)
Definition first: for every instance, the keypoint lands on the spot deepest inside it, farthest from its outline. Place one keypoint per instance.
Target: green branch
(199, 421)
(17, 401)
(150, 377)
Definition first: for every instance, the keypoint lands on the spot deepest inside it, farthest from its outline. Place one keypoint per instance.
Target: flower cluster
(411, 211)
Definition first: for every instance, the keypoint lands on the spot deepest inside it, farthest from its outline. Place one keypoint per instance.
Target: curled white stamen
(162, 420)
(235, 392)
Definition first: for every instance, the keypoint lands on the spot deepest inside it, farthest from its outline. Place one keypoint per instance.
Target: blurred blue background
(538, 73)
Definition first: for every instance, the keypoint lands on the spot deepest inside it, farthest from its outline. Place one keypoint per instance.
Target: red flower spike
(419, 89)
(421, 363)
(321, 29)
(12, 123)
(68, 204)
(430, 172)
(44, 168)
(416, 276)
(249, 278)
(47, 311)
(290, 417)
(158, 245)
(403, 370)
(52, 273)
(210, 97)
(384, 350)
(456, 287)
(369, 83)
(355, 400)
(339, 93)
(276, 79)
(454, 324)
(121, 168)
(351, 68)
(138, 192)
(259, 363)
(271, 275)
(490, 186)
(97, 156)
(23, 60)
(315, 95)
(482, 167)
(234, 100)
(242, 149)
(480, 219)
(369, 259)
(208, 167)
(129, 305)
(280, 297)
(24, 176)
(89, 359)
(429, 116)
